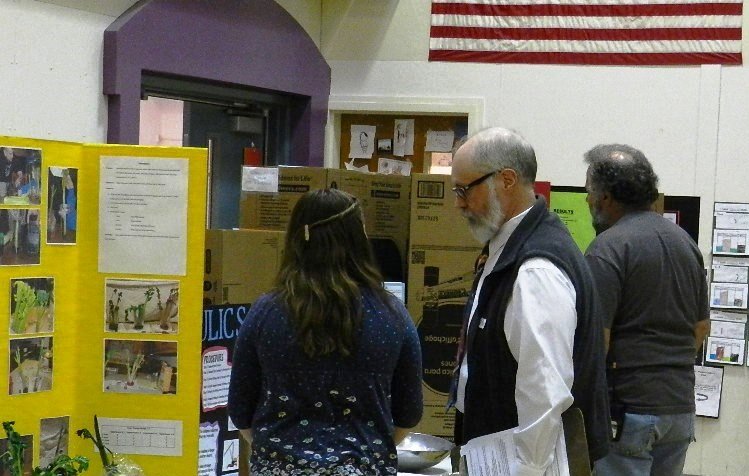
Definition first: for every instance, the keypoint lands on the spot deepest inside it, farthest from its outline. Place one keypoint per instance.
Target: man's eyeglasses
(462, 190)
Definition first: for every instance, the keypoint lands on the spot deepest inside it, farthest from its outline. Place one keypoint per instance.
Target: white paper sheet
(208, 449)
(732, 242)
(393, 167)
(494, 455)
(439, 141)
(230, 460)
(403, 137)
(731, 207)
(735, 221)
(728, 316)
(731, 330)
(708, 382)
(260, 179)
(362, 143)
(216, 376)
(728, 295)
(142, 437)
(143, 215)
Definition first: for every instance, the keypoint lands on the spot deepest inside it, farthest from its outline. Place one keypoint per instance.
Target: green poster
(570, 205)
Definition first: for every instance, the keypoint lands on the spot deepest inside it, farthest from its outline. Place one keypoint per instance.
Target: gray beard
(483, 228)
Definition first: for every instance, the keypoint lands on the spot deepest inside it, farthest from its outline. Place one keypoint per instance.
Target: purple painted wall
(241, 42)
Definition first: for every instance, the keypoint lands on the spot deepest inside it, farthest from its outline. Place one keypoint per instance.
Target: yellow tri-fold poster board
(109, 329)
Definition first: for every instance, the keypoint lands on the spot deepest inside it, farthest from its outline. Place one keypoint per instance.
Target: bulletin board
(77, 356)
(385, 124)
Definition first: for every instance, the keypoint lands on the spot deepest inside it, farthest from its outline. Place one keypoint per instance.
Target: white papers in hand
(494, 455)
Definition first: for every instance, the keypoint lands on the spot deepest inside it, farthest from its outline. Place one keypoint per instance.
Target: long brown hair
(327, 261)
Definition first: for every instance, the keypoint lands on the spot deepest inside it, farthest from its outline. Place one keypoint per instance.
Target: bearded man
(532, 345)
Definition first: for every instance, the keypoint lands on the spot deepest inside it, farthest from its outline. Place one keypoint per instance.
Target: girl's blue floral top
(327, 415)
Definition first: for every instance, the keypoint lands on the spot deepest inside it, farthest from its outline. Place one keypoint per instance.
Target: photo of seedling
(20, 236)
(62, 205)
(145, 367)
(16, 452)
(54, 436)
(32, 305)
(141, 306)
(30, 365)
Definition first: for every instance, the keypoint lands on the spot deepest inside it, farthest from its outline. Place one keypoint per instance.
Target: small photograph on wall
(138, 306)
(62, 205)
(384, 146)
(20, 232)
(28, 454)
(54, 435)
(30, 365)
(20, 176)
(32, 305)
(140, 366)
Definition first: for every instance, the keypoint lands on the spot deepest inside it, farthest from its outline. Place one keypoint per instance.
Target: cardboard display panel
(440, 276)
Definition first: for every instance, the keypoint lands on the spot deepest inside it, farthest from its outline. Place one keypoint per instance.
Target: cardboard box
(272, 210)
(386, 206)
(240, 265)
(442, 253)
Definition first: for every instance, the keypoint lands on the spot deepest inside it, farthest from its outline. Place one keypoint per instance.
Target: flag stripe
(647, 32)
(625, 23)
(583, 2)
(592, 34)
(587, 10)
(564, 46)
(621, 59)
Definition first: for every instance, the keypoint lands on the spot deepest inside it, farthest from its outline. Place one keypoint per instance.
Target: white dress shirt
(539, 324)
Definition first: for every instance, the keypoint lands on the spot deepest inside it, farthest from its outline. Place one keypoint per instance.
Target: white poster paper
(728, 295)
(439, 141)
(393, 167)
(494, 454)
(708, 382)
(728, 316)
(208, 449)
(216, 375)
(260, 179)
(730, 242)
(731, 330)
(732, 207)
(730, 274)
(736, 221)
(362, 143)
(725, 351)
(403, 137)
(143, 215)
(230, 458)
(142, 437)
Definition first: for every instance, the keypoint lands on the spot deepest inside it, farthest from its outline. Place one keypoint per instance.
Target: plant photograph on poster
(32, 305)
(30, 365)
(20, 232)
(20, 176)
(16, 456)
(137, 306)
(141, 367)
(62, 205)
(54, 436)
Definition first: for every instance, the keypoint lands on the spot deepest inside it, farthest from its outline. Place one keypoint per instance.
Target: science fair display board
(101, 271)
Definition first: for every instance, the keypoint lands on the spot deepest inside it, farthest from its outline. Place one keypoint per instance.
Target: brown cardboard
(271, 211)
(240, 265)
(442, 253)
(385, 203)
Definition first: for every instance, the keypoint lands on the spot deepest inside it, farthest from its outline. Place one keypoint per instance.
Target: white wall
(690, 121)
(50, 72)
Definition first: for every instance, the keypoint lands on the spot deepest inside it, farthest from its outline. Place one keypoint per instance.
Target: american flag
(602, 32)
